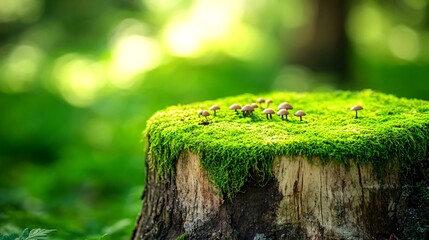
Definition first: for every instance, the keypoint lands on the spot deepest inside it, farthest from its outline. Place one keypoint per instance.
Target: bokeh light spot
(20, 69)
(132, 55)
(160, 5)
(214, 18)
(202, 27)
(20, 10)
(182, 39)
(251, 48)
(365, 24)
(404, 43)
(78, 79)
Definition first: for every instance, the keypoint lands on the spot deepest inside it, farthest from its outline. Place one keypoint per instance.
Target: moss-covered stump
(337, 174)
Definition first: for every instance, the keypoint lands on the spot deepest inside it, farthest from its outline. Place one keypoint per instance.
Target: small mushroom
(214, 108)
(282, 113)
(260, 101)
(200, 112)
(247, 110)
(300, 114)
(205, 113)
(235, 107)
(254, 105)
(268, 101)
(356, 108)
(285, 105)
(268, 111)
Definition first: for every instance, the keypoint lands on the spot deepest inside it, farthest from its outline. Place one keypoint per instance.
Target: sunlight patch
(78, 79)
(132, 55)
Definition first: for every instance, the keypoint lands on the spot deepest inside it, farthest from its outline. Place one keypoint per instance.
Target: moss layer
(233, 147)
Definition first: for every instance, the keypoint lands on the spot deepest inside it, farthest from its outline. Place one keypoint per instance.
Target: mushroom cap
(269, 101)
(268, 111)
(356, 108)
(200, 112)
(214, 107)
(205, 113)
(235, 106)
(261, 100)
(254, 105)
(285, 105)
(247, 108)
(300, 113)
(283, 112)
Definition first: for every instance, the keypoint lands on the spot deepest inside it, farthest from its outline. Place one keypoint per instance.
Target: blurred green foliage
(79, 79)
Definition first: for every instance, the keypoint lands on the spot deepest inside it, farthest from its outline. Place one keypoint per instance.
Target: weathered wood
(335, 200)
(304, 200)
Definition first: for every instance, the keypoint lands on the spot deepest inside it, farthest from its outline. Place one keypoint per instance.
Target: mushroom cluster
(248, 110)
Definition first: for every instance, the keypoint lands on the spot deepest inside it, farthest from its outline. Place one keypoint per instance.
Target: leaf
(24, 234)
(39, 233)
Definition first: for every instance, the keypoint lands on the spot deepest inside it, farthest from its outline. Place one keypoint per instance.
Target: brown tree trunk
(322, 44)
(302, 201)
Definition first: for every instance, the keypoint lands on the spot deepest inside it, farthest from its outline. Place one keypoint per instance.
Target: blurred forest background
(78, 80)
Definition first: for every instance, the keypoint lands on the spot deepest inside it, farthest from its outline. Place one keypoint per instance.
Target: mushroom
(285, 105)
(282, 113)
(268, 111)
(200, 112)
(254, 105)
(247, 110)
(235, 107)
(356, 108)
(260, 101)
(205, 113)
(300, 114)
(268, 101)
(214, 108)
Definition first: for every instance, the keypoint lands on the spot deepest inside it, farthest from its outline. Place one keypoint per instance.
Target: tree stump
(330, 176)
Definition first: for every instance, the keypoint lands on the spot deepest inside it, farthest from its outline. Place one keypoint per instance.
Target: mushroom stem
(300, 118)
(356, 114)
(267, 116)
(214, 113)
(282, 117)
(286, 118)
(236, 112)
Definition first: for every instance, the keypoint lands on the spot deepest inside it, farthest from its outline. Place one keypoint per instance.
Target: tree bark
(304, 199)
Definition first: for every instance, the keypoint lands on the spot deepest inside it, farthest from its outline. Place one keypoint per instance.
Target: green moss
(182, 237)
(232, 147)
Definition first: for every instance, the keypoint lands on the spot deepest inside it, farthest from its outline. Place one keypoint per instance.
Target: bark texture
(304, 200)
